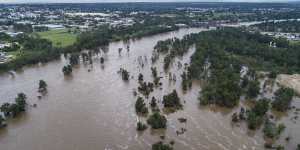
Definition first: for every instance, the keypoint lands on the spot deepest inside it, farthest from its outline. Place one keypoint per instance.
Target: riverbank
(86, 40)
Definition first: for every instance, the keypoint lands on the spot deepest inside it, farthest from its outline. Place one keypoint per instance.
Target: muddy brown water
(95, 109)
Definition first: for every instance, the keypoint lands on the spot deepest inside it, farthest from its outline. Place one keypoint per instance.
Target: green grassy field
(59, 38)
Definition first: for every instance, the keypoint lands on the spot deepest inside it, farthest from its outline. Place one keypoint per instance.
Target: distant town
(20, 19)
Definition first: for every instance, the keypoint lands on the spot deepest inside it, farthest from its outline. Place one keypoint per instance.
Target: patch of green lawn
(59, 37)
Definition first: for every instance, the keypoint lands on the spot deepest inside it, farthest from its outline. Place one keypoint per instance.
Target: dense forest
(220, 58)
(239, 47)
(222, 54)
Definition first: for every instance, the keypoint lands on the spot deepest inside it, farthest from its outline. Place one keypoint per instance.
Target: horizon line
(281, 1)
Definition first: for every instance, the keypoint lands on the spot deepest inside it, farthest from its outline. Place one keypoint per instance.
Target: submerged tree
(2, 122)
(74, 59)
(21, 101)
(222, 88)
(271, 130)
(15, 108)
(157, 121)
(5, 109)
(124, 74)
(186, 81)
(141, 77)
(42, 86)
(101, 60)
(140, 106)
(253, 89)
(283, 99)
(172, 100)
(161, 146)
(273, 74)
(256, 115)
(153, 102)
(145, 88)
(254, 120)
(67, 70)
(156, 81)
(154, 72)
(141, 126)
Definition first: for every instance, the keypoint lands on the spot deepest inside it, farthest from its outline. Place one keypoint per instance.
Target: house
(4, 57)
(13, 34)
(4, 45)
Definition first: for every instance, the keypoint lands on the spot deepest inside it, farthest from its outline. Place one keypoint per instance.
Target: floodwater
(94, 109)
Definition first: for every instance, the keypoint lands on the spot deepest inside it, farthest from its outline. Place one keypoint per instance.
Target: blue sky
(89, 1)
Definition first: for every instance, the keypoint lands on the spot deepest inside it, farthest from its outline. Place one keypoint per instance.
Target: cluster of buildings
(4, 57)
(58, 19)
(289, 36)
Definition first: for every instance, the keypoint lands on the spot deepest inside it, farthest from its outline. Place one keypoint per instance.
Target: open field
(59, 38)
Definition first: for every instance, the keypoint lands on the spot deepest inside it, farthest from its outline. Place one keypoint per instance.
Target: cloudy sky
(90, 1)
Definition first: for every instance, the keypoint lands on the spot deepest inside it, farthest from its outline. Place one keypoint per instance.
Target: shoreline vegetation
(34, 49)
(228, 61)
(12, 110)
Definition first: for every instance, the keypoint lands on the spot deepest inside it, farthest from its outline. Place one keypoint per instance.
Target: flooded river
(94, 109)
